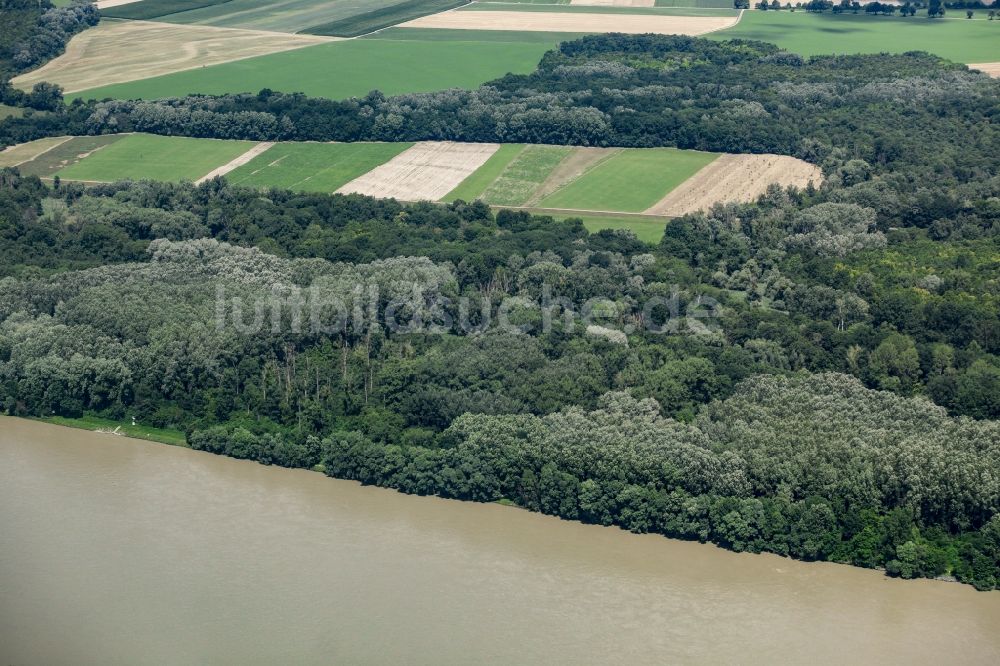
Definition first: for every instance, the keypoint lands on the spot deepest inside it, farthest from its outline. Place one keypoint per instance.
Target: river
(118, 551)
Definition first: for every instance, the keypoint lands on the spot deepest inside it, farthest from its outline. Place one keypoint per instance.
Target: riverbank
(109, 426)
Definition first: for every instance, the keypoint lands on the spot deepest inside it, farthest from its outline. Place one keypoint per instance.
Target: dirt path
(577, 163)
(426, 172)
(735, 178)
(116, 52)
(574, 22)
(238, 162)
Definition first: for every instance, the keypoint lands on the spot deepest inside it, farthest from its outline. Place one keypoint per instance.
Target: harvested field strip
(427, 171)
(151, 9)
(127, 51)
(66, 154)
(630, 181)
(348, 68)
(25, 152)
(472, 187)
(314, 167)
(991, 68)
(733, 178)
(139, 156)
(601, 9)
(574, 22)
(524, 175)
(238, 162)
(577, 163)
(383, 17)
(108, 4)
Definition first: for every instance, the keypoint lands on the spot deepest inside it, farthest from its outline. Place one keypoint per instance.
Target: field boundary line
(586, 211)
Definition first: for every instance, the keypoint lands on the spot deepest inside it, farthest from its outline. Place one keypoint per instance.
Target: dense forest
(814, 374)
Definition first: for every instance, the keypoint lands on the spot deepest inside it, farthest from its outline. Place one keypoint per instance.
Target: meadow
(314, 167)
(138, 156)
(60, 154)
(524, 174)
(960, 40)
(630, 181)
(348, 68)
(648, 230)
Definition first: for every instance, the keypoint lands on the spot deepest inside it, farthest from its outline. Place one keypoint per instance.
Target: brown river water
(118, 551)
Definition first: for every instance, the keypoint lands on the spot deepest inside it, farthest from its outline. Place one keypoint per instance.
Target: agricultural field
(314, 167)
(118, 51)
(960, 40)
(577, 8)
(574, 19)
(62, 153)
(426, 172)
(624, 185)
(26, 152)
(378, 19)
(349, 68)
(629, 181)
(516, 184)
(289, 16)
(139, 156)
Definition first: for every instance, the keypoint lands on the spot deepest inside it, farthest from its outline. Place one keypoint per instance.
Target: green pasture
(347, 69)
(283, 16)
(472, 188)
(646, 230)
(139, 156)
(808, 34)
(313, 167)
(383, 17)
(524, 174)
(630, 181)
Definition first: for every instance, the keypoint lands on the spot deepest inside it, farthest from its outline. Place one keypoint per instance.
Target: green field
(631, 181)
(314, 167)
(550, 39)
(347, 69)
(809, 34)
(282, 16)
(472, 187)
(138, 156)
(383, 17)
(150, 9)
(525, 173)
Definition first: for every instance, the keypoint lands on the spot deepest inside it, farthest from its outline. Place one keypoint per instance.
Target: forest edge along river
(121, 551)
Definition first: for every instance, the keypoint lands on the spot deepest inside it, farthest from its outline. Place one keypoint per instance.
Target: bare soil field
(25, 152)
(116, 52)
(107, 4)
(735, 178)
(238, 162)
(991, 68)
(585, 3)
(576, 22)
(576, 164)
(426, 172)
